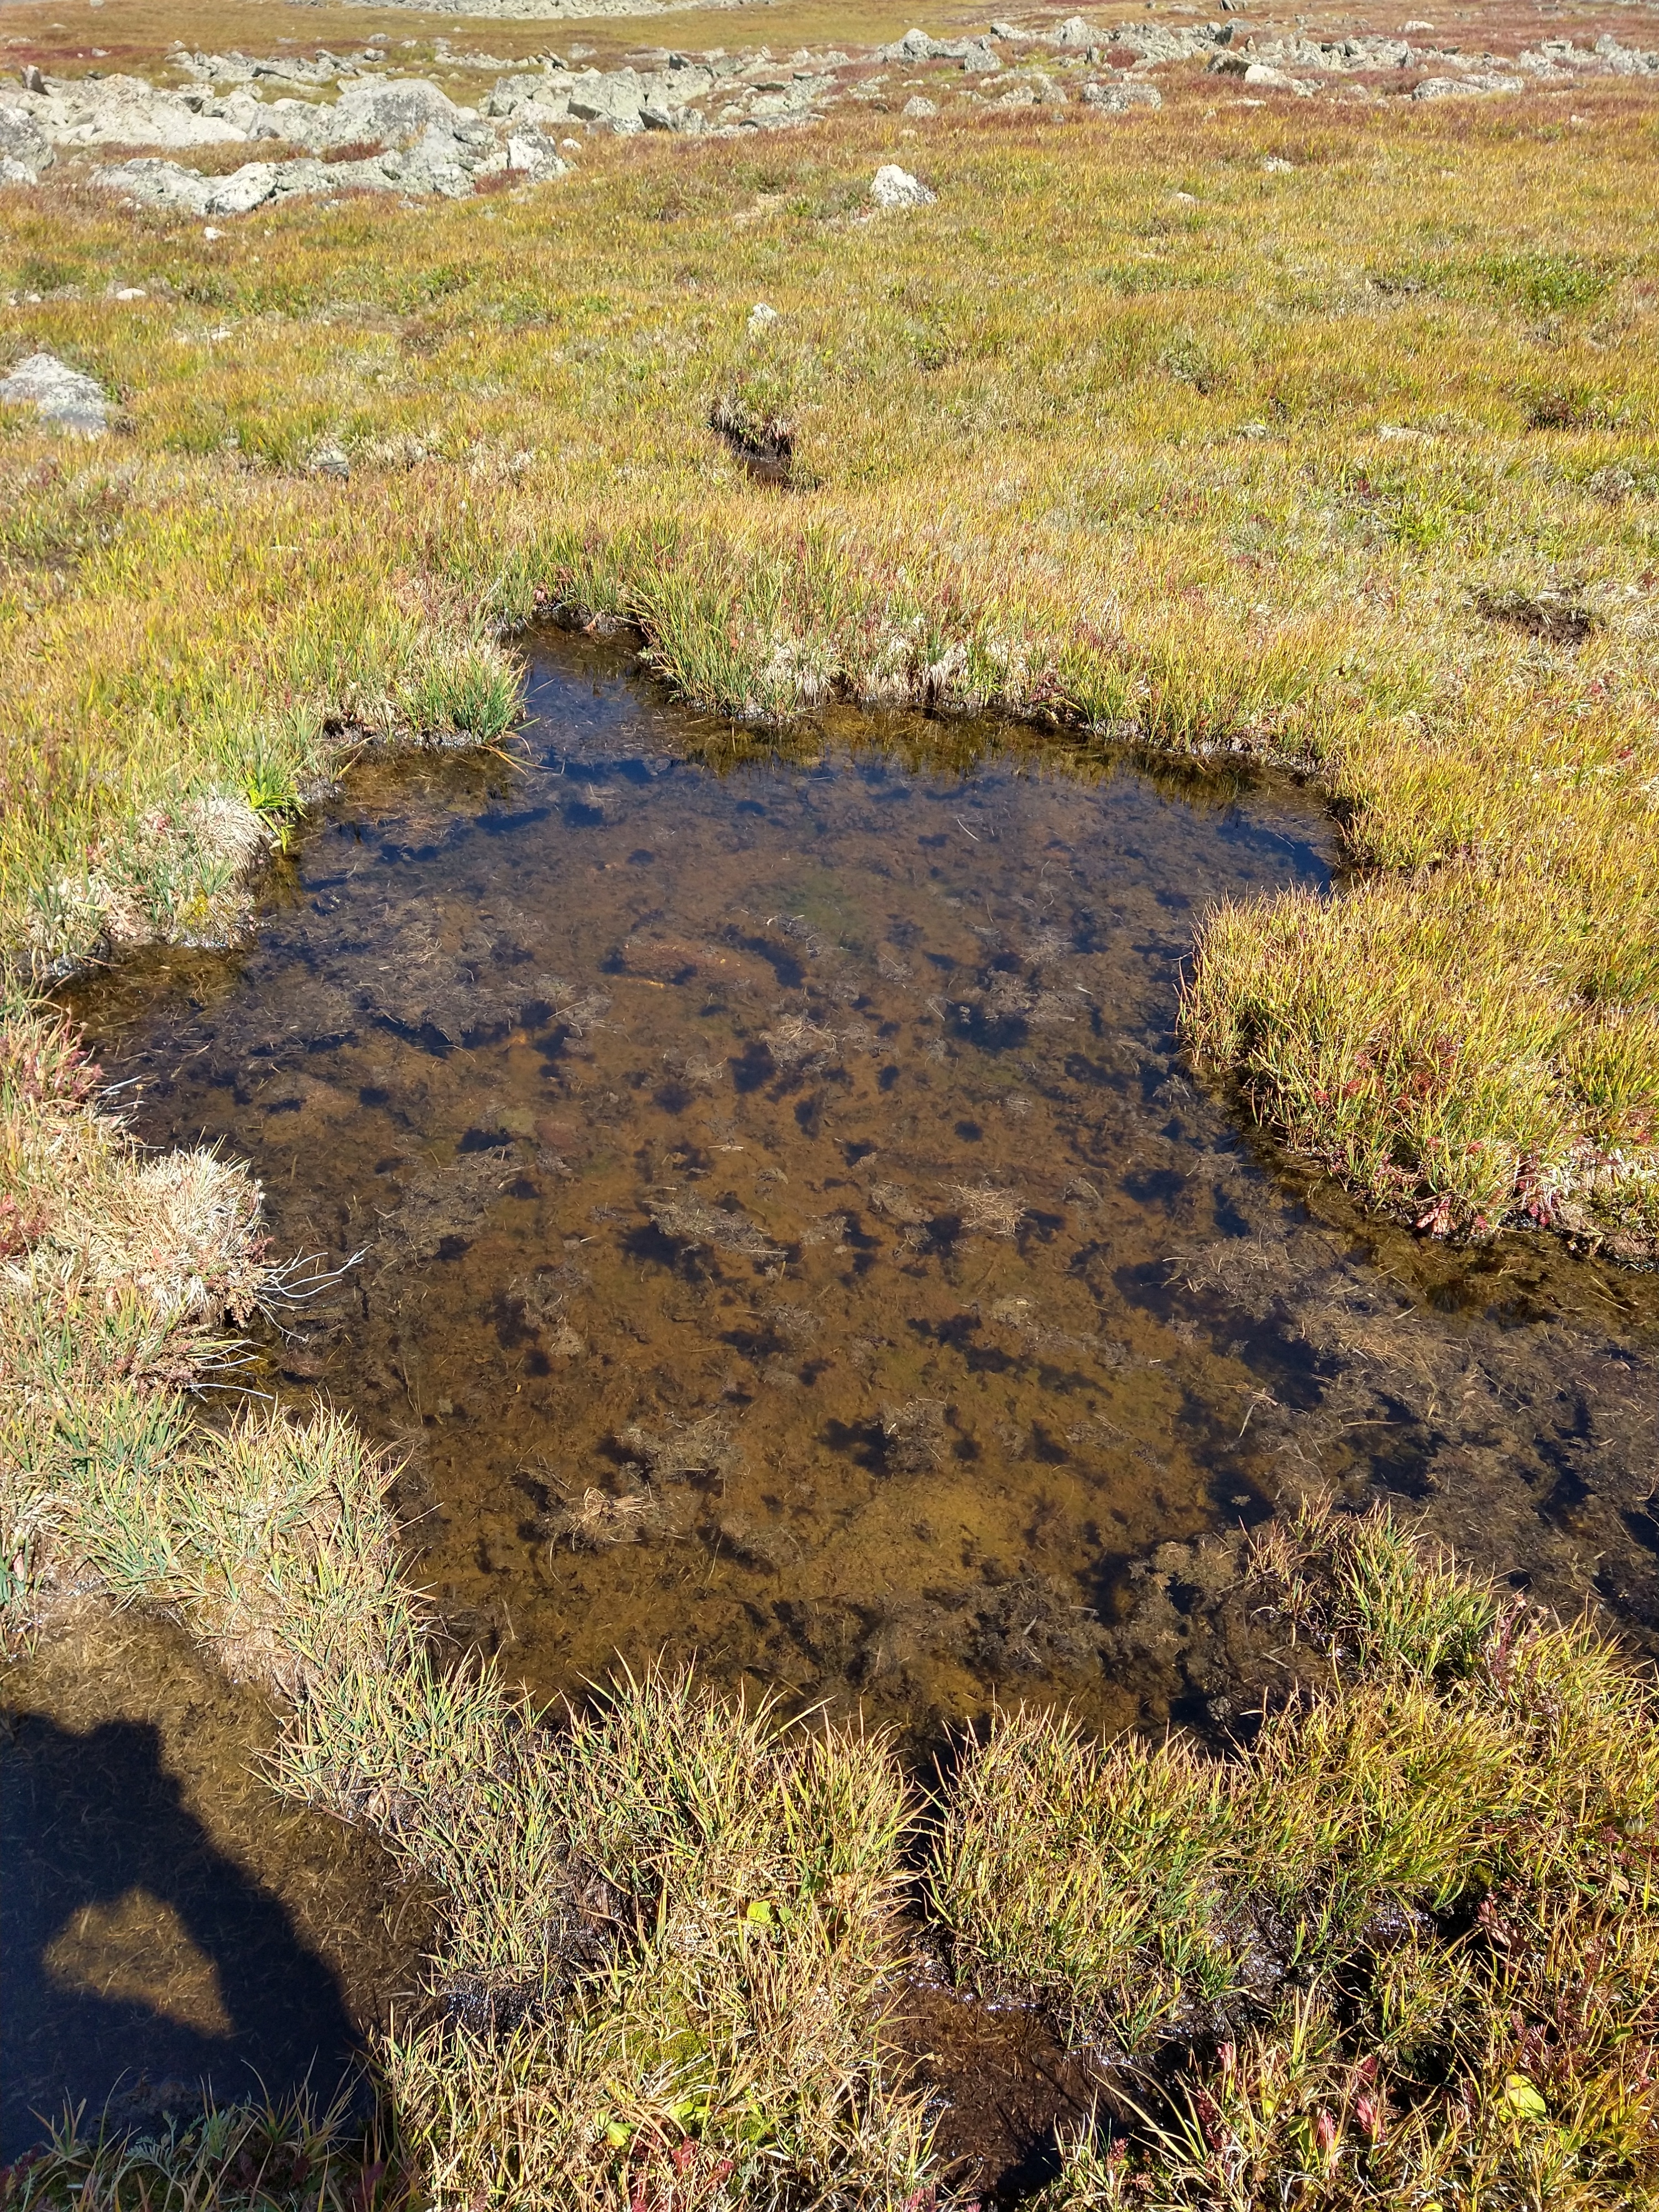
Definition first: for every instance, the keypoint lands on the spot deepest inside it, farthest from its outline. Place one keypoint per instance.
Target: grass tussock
(665, 1982)
(1347, 465)
(1405, 1947)
(236, 2158)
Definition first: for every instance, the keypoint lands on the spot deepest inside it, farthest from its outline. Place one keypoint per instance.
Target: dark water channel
(789, 1238)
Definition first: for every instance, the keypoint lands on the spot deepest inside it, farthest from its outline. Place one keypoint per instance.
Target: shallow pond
(788, 1238)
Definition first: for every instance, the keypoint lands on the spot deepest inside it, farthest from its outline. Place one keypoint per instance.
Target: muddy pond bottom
(787, 1239)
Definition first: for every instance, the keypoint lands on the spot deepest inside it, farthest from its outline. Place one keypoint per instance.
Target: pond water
(787, 1234)
(763, 1173)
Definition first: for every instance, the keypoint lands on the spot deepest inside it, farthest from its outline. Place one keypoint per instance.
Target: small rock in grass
(1119, 98)
(330, 459)
(1076, 32)
(60, 395)
(1452, 88)
(761, 319)
(1272, 166)
(893, 187)
(919, 107)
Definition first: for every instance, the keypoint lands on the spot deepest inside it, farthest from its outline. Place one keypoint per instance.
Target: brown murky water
(754, 1172)
(789, 1238)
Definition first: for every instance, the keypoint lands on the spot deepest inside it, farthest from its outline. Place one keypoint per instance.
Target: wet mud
(1002, 2084)
(782, 1232)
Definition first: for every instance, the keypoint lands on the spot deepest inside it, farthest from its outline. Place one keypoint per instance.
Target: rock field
(337, 123)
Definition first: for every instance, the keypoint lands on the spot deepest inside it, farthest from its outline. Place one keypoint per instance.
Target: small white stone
(210, 233)
(761, 318)
(132, 292)
(893, 187)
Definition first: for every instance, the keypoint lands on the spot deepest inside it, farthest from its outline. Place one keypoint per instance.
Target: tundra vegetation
(1315, 430)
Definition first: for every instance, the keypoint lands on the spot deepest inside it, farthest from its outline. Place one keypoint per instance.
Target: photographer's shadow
(135, 1959)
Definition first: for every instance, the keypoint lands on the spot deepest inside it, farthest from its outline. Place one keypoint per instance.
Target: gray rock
(177, 191)
(674, 87)
(66, 398)
(918, 46)
(918, 108)
(1119, 98)
(510, 93)
(297, 122)
(1625, 61)
(25, 149)
(893, 187)
(435, 163)
(400, 112)
(1076, 32)
(165, 185)
(1155, 44)
(244, 190)
(1451, 88)
(612, 98)
(1031, 88)
(536, 156)
(122, 110)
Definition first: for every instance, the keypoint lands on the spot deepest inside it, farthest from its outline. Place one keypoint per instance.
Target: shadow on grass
(139, 1963)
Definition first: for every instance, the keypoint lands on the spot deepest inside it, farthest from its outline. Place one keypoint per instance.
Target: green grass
(1405, 1948)
(237, 2158)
